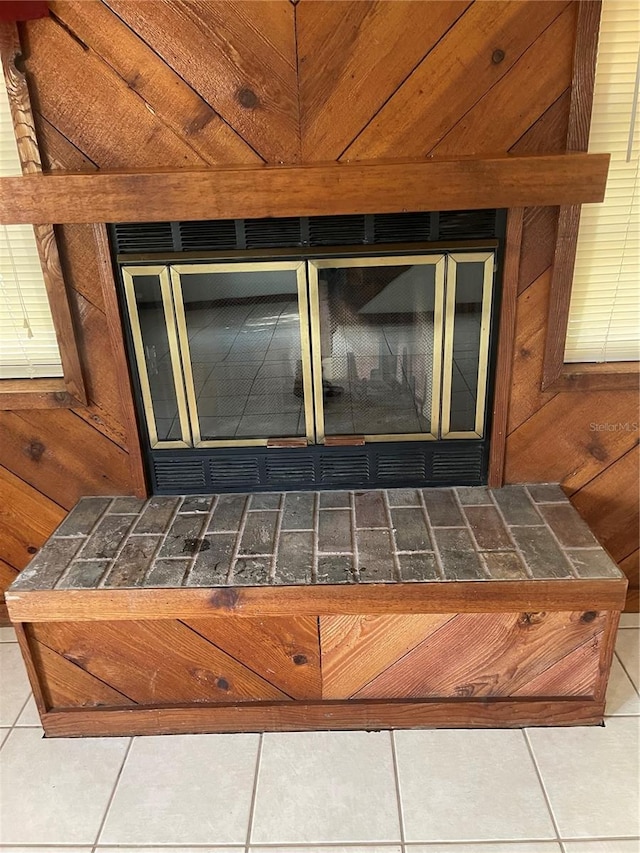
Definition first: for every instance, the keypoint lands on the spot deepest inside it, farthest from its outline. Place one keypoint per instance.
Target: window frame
(69, 390)
(556, 373)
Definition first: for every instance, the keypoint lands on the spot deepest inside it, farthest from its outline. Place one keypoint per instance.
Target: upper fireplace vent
(240, 234)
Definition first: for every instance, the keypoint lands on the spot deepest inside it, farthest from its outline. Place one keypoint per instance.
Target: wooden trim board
(316, 190)
(429, 597)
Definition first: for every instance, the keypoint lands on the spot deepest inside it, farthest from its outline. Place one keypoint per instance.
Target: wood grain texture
(300, 716)
(361, 599)
(490, 655)
(425, 108)
(446, 184)
(355, 649)
(155, 662)
(284, 650)
(239, 57)
(352, 57)
(67, 685)
(27, 519)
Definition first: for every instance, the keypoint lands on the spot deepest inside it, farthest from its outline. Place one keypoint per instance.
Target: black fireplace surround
(312, 353)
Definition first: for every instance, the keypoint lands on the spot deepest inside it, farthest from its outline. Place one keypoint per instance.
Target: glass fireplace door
(377, 327)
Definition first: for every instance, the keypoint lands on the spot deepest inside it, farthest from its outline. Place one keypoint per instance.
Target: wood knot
(222, 684)
(596, 450)
(299, 660)
(589, 616)
(226, 598)
(532, 618)
(247, 98)
(19, 63)
(34, 450)
(31, 549)
(497, 56)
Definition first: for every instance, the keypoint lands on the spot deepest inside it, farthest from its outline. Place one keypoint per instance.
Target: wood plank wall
(124, 84)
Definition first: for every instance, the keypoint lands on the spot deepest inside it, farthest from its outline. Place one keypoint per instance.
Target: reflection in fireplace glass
(244, 343)
(377, 348)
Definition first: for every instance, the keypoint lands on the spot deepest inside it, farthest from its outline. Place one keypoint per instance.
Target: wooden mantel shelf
(314, 190)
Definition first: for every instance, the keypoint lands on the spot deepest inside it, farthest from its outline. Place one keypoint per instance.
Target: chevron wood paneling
(179, 83)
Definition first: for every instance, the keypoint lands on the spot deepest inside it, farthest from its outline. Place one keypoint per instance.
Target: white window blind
(28, 345)
(604, 318)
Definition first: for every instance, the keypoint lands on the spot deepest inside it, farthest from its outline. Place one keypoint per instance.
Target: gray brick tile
(251, 571)
(266, 500)
(594, 564)
(410, 529)
(295, 558)
(157, 515)
(83, 516)
(442, 508)
(504, 565)
(298, 511)
(570, 529)
(211, 567)
(370, 510)
(197, 503)
(375, 557)
(227, 514)
(543, 493)
(83, 574)
(488, 529)
(46, 567)
(133, 561)
(167, 573)
(459, 559)
(403, 497)
(473, 495)
(543, 556)
(183, 536)
(334, 499)
(334, 530)
(335, 568)
(418, 567)
(515, 505)
(127, 506)
(107, 537)
(259, 533)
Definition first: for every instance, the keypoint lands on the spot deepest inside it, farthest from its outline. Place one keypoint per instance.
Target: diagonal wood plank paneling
(355, 649)
(27, 518)
(352, 56)
(492, 654)
(453, 77)
(154, 662)
(501, 116)
(170, 99)
(67, 685)
(240, 57)
(90, 104)
(284, 651)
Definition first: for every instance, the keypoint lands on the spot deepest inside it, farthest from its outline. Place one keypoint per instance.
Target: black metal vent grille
(459, 462)
(355, 230)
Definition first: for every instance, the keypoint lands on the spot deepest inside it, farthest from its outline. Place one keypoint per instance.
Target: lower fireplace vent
(290, 470)
(177, 475)
(235, 471)
(460, 461)
(344, 468)
(406, 467)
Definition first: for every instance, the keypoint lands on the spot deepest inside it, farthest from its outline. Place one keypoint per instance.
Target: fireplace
(327, 352)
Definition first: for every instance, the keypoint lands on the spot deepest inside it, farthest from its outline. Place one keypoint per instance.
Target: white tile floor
(553, 790)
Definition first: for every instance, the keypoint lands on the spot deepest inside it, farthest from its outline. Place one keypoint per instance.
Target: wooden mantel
(316, 190)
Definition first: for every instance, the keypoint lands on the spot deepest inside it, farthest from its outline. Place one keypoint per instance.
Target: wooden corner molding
(315, 190)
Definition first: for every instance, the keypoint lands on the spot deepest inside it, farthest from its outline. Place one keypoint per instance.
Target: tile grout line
(87, 537)
(113, 792)
(254, 794)
(275, 543)
(242, 523)
(518, 550)
(432, 536)
(563, 549)
(396, 776)
(193, 558)
(547, 800)
(474, 541)
(627, 673)
(355, 560)
(315, 538)
(392, 536)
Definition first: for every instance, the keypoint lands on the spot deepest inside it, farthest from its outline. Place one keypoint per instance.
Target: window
(604, 317)
(28, 344)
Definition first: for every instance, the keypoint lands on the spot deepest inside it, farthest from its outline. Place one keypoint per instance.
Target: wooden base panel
(322, 716)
